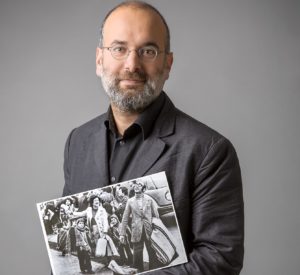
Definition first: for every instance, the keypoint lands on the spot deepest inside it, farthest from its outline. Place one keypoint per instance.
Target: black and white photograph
(126, 228)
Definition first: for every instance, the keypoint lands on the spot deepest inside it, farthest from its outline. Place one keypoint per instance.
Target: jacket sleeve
(217, 219)
(66, 190)
(125, 219)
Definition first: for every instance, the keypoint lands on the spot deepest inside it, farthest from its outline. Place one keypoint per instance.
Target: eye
(148, 52)
(119, 49)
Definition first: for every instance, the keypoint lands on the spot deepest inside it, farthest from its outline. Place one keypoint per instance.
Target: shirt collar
(144, 121)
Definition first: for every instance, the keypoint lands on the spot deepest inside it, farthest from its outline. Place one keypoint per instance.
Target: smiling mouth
(132, 82)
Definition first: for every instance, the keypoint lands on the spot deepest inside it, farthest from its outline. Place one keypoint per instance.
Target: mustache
(139, 76)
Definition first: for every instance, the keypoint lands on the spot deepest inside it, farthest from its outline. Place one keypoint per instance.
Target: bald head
(135, 81)
(136, 6)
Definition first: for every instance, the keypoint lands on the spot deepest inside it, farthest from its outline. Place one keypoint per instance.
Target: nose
(132, 62)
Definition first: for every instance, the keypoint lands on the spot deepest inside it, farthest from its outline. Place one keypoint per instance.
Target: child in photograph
(123, 249)
(83, 248)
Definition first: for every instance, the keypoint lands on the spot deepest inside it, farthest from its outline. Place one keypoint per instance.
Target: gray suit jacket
(204, 177)
(139, 216)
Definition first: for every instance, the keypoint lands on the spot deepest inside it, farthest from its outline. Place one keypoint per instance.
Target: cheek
(155, 71)
(112, 67)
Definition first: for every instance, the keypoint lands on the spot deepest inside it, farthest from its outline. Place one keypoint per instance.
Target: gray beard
(132, 100)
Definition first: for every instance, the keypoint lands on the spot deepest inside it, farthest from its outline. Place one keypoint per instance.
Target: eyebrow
(151, 44)
(120, 42)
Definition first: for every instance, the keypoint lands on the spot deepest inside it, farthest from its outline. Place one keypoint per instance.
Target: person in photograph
(143, 133)
(47, 216)
(66, 210)
(141, 208)
(123, 248)
(120, 201)
(83, 247)
(107, 198)
(97, 222)
(51, 218)
(97, 218)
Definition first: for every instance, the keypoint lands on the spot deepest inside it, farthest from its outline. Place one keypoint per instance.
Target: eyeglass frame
(137, 51)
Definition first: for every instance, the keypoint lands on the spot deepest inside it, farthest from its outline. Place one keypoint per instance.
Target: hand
(122, 239)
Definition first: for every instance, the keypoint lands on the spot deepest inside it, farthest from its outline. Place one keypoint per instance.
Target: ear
(99, 62)
(168, 65)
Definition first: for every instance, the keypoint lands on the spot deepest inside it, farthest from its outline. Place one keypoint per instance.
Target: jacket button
(122, 142)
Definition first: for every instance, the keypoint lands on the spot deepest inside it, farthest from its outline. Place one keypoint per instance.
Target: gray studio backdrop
(236, 68)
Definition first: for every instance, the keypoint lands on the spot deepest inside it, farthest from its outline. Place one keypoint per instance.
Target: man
(143, 133)
(142, 209)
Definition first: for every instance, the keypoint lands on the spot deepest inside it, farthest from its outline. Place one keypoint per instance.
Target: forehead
(135, 27)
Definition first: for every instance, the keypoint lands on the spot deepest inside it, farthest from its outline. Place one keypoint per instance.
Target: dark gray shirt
(122, 150)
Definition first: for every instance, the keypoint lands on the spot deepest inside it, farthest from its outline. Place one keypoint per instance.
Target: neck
(139, 195)
(123, 119)
(80, 229)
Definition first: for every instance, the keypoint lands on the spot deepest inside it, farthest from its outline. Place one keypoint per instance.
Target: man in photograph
(141, 208)
(143, 133)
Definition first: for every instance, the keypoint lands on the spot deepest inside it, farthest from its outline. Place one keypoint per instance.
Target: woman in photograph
(66, 210)
(97, 217)
(97, 222)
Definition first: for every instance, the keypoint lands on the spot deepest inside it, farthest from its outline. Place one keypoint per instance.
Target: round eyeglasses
(146, 53)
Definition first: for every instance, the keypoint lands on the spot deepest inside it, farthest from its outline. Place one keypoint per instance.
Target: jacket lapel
(154, 146)
(146, 157)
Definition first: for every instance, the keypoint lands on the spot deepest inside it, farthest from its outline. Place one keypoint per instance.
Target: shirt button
(122, 142)
(112, 179)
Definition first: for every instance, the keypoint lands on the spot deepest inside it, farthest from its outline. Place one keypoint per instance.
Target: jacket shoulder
(186, 135)
(192, 130)
(196, 140)
(89, 128)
